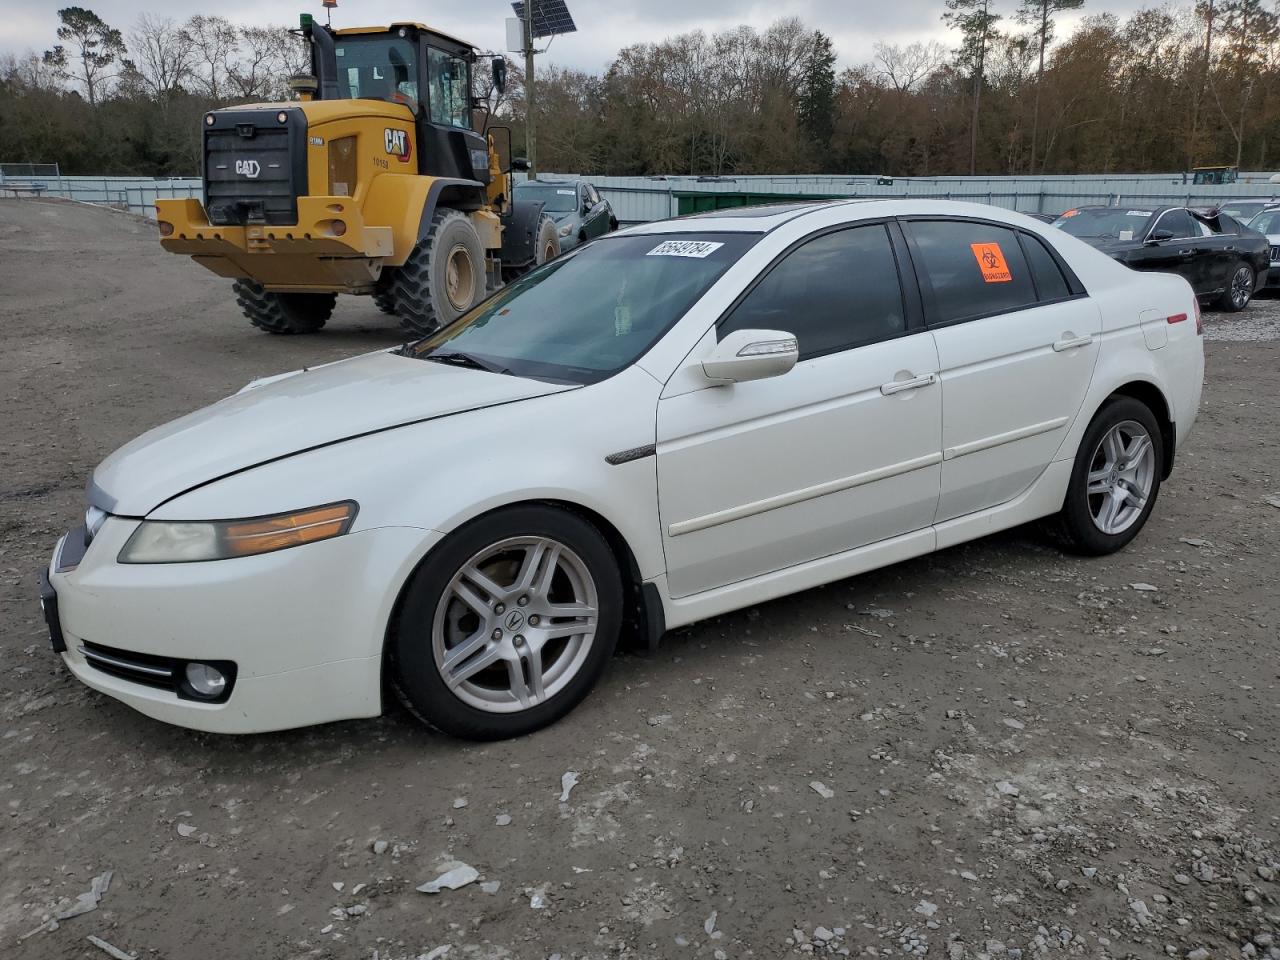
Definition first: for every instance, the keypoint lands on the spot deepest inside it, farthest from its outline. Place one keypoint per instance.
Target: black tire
(385, 301)
(613, 225)
(1075, 522)
(547, 246)
(1241, 286)
(414, 673)
(283, 313)
(419, 288)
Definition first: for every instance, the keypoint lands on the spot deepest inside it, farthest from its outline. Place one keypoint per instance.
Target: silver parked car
(1268, 222)
(579, 212)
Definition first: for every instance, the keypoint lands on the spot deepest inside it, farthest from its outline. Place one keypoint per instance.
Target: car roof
(765, 218)
(560, 182)
(757, 219)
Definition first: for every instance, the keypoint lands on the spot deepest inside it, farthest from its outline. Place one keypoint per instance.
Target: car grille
(254, 167)
(160, 672)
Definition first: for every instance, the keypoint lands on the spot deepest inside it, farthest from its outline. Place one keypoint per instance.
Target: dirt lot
(996, 751)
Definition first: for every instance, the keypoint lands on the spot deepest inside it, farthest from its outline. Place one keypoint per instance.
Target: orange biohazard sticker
(991, 262)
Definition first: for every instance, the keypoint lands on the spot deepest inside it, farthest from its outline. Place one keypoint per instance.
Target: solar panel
(550, 17)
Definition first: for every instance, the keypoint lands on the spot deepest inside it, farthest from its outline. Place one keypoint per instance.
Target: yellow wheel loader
(373, 182)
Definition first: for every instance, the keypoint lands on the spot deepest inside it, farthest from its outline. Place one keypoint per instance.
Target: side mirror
(1159, 236)
(751, 355)
(519, 163)
(499, 67)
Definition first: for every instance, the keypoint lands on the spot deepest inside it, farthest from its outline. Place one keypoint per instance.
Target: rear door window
(836, 291)
(969, 270)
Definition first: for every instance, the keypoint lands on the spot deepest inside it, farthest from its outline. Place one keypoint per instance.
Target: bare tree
(213, 44)
(251, 69)
(162, 54)
(904, 67)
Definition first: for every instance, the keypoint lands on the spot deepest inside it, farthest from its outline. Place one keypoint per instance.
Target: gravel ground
(994, 752)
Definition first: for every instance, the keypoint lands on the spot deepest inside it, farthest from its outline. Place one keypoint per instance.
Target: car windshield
(1109, 223)
(590, 313)
(1268, 221)
(556, 198)
(377, 67)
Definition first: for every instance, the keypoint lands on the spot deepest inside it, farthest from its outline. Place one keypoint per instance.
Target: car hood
(281, 416)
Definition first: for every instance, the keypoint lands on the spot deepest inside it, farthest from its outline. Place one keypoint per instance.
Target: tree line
(1165, 89)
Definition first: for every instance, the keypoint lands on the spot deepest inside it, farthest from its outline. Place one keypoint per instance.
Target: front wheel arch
(639, 620)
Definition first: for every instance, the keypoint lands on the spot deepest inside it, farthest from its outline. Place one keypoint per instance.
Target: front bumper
(304, 627)
(306, 256)
(1271, 277)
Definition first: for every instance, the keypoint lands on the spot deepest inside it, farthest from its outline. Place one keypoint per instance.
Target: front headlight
(566, 229)
(169, 541)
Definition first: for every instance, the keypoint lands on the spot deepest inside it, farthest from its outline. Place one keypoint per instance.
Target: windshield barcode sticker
(565, 193)
(698, 249)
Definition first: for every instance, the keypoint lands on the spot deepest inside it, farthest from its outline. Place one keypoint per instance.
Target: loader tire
(385, 301)
(283, 313)
(443, 277)
(548, 247)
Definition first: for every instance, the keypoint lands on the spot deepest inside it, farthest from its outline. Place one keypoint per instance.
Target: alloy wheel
(515, 624)
(1241, 287)
(1121, 477)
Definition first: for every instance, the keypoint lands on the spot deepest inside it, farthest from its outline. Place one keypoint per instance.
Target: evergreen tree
(977, 26)
(95, 48)
(817, 102)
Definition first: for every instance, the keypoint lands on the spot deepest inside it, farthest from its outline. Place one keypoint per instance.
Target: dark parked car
(1221, 258)
(579, 211)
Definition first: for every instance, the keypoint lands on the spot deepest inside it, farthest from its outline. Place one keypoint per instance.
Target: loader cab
(426, 71)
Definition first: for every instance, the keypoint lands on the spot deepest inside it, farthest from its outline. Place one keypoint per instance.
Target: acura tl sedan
(1220, 257)
(669, 423)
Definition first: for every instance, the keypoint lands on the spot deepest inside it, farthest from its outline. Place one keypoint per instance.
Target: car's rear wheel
(1239, 289)
(1115, 480)
(508, 624)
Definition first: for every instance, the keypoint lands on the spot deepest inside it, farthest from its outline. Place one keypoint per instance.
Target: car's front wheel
(1239, 289)
(508, 623)
(1115, 480)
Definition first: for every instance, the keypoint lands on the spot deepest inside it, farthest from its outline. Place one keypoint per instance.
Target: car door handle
(900, 386)
(1071, 343)
(1186, 253)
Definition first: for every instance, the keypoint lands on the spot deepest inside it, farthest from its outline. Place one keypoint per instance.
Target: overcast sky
(603, 27)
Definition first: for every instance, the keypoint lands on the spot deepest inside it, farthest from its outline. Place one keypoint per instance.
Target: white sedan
(673, 422)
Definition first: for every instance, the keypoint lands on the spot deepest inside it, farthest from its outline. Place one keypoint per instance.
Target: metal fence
(642, 199)
(135, 194)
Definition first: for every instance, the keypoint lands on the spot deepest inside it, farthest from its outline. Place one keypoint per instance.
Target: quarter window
(1050, 283)
(834, 292)
(971, 269)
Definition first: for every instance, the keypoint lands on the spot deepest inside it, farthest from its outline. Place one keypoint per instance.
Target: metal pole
(529, 136)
